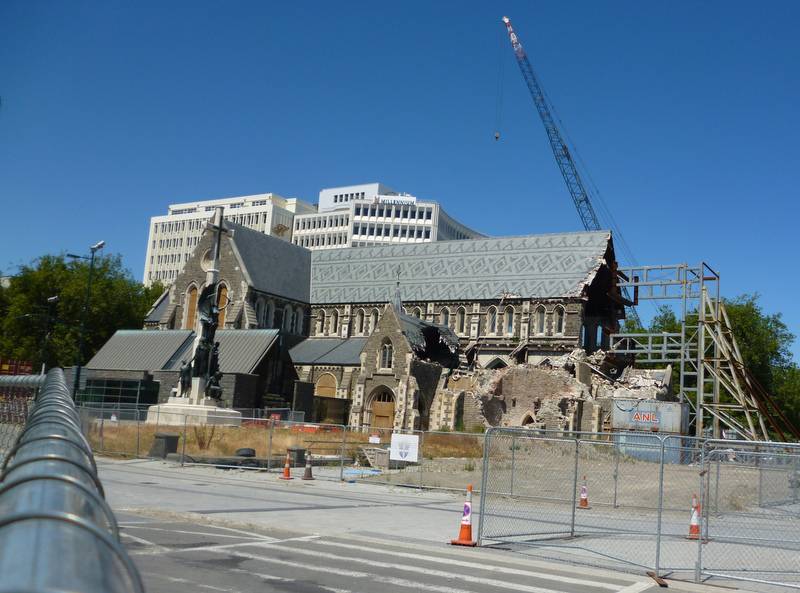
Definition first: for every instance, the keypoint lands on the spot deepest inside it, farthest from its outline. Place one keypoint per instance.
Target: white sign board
(404, 447)
(375, 439)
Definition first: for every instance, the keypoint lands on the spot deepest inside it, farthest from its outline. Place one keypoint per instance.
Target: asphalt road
(201, 529)
(179, 557)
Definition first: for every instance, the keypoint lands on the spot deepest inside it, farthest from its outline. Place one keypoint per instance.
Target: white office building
(173, 236)
(373, 214)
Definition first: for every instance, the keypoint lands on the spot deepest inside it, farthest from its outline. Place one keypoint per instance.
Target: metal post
(616, 471)
(82, 327)
(484, 483)
(716, 488)
(102, 439)
(660, 509)
(513, 455)
(270, 423)
(421, 457)
(138, 430)
(341, 454)
(574, 488)
(183, 448)
(698, 567)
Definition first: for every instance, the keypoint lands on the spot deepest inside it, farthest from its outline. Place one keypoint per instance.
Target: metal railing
(694, 509)
(57, 533)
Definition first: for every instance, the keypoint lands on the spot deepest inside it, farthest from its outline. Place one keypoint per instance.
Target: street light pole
(79, 357)
(48, 324)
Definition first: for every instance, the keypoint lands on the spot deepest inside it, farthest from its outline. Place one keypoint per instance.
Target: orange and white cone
(584, 498)
(287, 472)
(694, 522)
(465, 534)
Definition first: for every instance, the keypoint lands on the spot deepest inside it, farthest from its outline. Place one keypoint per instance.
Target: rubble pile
(559, 392)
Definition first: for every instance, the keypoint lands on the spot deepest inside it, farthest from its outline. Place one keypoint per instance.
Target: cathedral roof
(240, 350)
(272, 265)
(534, 266)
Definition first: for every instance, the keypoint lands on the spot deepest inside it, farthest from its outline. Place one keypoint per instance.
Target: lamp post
(48, 323)
(79, 357)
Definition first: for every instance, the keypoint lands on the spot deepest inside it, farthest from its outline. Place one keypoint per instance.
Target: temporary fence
(694, 509)
(57, 533)
(16, 393)
(444, 460)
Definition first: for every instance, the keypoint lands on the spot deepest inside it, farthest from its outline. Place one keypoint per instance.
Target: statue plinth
(194, 409)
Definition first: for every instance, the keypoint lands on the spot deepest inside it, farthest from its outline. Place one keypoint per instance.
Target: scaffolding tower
(712, 377)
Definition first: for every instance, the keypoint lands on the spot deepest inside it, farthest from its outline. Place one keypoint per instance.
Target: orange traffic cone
(694, 521)
(584, 500)
(307, 475)
(465, 535)
(287, 472)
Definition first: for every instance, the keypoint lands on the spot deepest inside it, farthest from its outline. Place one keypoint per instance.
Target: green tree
(117, 302)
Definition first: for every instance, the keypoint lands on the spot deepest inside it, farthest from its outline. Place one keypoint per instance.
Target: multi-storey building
(373, 214)
(174, 236)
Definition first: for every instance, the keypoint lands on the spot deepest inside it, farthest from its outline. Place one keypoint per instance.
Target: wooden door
(382, 414)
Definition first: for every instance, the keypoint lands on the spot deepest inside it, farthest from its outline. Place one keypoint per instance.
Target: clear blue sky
(685, 113)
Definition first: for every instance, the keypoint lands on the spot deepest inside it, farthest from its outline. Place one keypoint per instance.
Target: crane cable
(498, 107)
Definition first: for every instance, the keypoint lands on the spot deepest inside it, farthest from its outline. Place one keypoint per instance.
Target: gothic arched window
(444, 316)
(322, 328)
(491, 321)
(461, 320)
(540, 320)
(191, 307)
(559, 321)
(360, 322)
(335, 323)
(509, 319)
(387, 354)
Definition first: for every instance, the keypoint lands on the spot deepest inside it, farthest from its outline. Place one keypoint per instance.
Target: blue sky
(684, 112)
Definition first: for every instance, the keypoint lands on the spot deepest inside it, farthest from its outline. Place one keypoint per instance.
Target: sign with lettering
(646, 417)
(404, 447)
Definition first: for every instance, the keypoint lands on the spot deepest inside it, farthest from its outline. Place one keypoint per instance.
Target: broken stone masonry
(574, 391)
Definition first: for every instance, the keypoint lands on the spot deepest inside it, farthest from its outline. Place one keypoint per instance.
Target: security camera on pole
(200, 404)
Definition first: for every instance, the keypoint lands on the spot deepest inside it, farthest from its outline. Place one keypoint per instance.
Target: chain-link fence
(639, 501)
(13, 413)
(445, 460)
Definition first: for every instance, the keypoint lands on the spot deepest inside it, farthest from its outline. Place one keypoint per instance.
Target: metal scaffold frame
(705, 353)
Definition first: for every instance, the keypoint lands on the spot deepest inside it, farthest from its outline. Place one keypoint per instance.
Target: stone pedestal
(180, 409)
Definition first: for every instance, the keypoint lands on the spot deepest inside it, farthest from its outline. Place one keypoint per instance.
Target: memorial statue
(186, 378)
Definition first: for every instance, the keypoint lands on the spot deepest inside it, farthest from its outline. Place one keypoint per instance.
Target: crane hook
(497, 136)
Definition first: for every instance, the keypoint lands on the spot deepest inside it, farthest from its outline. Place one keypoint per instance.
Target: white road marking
(409, 568)
(486, 567)
(223, 546)
(242, 531)
(637, 587)
(355, 574)
(172, 579)
(156, 548)
(240, 537)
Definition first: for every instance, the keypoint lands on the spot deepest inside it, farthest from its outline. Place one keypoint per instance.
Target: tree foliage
(117, 302)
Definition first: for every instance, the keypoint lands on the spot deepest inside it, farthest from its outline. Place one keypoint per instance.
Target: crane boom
(563, 158)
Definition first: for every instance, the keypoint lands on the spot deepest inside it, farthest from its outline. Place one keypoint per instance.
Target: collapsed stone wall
(558, 393)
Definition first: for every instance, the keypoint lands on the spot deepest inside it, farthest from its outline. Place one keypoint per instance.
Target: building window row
(325, 222)
(394, 211)
(388, 230)
(341, 198)
(321, 240)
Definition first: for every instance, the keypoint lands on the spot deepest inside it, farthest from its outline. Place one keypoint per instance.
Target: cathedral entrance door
(382, 408)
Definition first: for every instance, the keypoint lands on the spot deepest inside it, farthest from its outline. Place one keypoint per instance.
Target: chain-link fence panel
(751, 518)
(13, 414)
